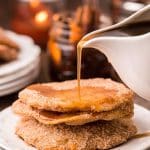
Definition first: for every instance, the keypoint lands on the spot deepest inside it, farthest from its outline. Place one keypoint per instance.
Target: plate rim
(33, 47)
(17, 75)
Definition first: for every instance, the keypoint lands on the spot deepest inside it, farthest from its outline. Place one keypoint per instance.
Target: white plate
(20, 74)
(11, 142)
(19, 84)
(28, 53)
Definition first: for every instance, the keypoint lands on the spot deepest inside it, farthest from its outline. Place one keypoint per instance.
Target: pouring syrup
(125, 31)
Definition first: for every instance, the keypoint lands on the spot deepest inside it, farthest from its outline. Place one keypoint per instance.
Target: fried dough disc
(8, 48)
(96, 95)
(97, 135)
(5, 40)
(72, 118)
(7, 53)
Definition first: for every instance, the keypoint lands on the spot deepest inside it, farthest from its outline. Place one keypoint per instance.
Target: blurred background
(57, 26)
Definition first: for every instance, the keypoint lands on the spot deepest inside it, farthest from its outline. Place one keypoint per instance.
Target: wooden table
(44, 77)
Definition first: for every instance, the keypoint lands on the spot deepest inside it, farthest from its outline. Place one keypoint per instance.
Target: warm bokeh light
(34, 3)
(41, 17)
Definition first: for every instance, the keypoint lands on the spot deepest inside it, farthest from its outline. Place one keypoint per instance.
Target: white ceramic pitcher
(130, 56)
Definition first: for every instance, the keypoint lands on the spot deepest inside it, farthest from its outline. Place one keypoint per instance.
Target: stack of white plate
(17, 74)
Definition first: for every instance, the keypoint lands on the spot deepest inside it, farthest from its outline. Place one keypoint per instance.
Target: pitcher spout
(106, 45)
(99, 44)
(130, 58)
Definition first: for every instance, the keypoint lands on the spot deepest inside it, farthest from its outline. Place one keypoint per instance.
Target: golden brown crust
(7, 53)
(96, 95)
(75, 118)
(8, 48)
(97, 135)
(5, 40)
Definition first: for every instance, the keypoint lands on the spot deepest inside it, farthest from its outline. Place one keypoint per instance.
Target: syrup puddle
(141, 135)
